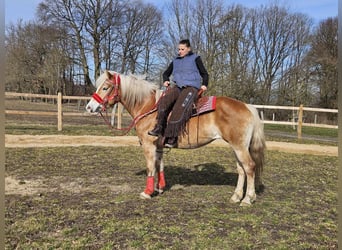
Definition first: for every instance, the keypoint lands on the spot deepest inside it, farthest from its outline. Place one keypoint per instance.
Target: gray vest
(185, 71)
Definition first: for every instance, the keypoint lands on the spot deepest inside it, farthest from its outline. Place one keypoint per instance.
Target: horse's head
(107, 92)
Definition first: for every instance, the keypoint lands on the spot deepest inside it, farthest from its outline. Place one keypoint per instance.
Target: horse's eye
(105, 88)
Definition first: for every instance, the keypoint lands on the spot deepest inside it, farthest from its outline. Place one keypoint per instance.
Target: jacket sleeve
(168, 72)
(202, 70)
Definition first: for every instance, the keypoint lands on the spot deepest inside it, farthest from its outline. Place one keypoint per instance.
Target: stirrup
(157, 131)
(171, 142)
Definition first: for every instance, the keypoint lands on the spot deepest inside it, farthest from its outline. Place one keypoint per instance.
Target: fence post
(59, 111)
(300, 121)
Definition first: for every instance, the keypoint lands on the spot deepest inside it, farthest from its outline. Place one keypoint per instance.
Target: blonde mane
(134, 89)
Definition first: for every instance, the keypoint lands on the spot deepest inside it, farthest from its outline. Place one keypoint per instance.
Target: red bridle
(113, 94)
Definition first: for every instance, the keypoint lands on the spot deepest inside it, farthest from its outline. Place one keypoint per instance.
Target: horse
(233, 121)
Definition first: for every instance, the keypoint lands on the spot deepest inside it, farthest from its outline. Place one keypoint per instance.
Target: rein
(133, 123)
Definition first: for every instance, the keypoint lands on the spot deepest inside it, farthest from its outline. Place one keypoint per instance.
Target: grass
(89, 200)
(313, 131)
(310, 135)
(39, 129)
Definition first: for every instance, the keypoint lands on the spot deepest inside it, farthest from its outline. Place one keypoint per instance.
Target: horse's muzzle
(92, 110)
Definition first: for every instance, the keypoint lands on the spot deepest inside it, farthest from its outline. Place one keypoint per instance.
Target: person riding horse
(187, 70)
(233, 121)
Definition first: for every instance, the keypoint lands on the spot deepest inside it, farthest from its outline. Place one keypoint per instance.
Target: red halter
(113, 95)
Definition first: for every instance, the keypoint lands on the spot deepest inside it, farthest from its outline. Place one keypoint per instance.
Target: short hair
(186, 42)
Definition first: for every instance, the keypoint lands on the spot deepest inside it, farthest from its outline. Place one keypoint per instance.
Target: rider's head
(184, 47)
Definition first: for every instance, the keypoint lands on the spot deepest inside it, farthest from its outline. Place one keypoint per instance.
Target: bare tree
(278, 45)
(138, 34)
(206, 37)
(87, 22)
(323, 61)
(234, 54)
(180, 24)
(293, 88)
(260, 55)
(37, 58)
(197, 21)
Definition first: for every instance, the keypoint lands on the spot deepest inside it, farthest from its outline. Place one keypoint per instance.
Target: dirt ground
(20, 141)
(61, 195)
(111, 141)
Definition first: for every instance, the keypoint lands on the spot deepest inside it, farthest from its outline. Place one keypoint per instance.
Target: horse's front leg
(153, 163)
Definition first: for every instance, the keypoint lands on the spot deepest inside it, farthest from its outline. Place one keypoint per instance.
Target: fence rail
(299, 123)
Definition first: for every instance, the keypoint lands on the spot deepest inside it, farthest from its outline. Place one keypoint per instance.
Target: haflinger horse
(233, 121)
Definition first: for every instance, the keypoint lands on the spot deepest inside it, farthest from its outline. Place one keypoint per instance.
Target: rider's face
(183, 50)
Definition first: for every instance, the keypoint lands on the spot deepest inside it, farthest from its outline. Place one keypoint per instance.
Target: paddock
(81, 191)
(86, 197)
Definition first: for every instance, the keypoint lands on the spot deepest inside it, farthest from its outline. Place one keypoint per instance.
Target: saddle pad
(205, 104)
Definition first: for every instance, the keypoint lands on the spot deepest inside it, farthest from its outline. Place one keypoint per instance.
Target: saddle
(204, 104)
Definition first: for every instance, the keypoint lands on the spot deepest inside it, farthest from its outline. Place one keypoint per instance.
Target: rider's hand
(204, 88)
(166, 83)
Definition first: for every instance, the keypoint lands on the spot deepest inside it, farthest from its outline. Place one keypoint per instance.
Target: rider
(187, 70)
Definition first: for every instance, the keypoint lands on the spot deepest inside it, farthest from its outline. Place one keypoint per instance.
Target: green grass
(310, 135)
(314, 131)
(39, 129)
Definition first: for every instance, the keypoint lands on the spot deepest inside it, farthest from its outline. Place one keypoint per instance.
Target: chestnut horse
(233, 121)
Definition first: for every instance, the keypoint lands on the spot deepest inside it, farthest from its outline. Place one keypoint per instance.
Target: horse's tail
(257, 147)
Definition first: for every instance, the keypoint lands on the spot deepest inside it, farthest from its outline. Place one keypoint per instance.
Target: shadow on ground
(201, 174)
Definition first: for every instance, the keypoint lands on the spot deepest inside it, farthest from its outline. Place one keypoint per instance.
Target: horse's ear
(109, 75)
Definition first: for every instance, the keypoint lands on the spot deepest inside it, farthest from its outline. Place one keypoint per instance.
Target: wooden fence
(298, 121)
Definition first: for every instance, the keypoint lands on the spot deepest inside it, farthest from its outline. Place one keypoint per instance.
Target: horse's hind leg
(238, 193)
(160, 170)
(246, 167)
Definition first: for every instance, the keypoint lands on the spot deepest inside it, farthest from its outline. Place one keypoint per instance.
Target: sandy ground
(13, 141)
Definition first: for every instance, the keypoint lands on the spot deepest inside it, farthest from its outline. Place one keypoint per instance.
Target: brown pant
(180, 102)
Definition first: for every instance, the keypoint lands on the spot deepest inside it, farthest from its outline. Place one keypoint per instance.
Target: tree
(197, 21)
(294, 86)
(323, 62)
(136, 38)
(234, 54)
(111, 33)
(87, 22)
(37, 58)
(274, 42)
(265, 55)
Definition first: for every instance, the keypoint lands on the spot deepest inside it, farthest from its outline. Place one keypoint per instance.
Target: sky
(316, 9)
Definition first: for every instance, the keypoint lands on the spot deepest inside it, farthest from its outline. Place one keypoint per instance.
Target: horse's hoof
(145, 196)
(235, 199)
(245, 204)
(160, 191)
